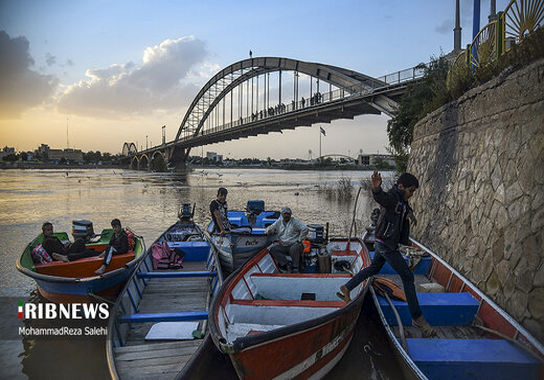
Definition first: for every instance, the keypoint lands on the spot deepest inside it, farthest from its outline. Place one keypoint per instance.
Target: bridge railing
(277, 109)
(402, 76)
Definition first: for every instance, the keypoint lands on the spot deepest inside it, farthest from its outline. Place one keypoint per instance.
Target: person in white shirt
(290, 233)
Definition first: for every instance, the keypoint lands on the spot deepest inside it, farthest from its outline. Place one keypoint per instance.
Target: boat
(160, 318)
(287, 325)
(76, 281)
(475, 339)
(246, 237)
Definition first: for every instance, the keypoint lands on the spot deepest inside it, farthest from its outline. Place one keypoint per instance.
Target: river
(148, 203)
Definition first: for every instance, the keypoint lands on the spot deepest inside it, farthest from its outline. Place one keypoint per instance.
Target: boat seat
(164, 317)
(439, 309)
(194, 250)
(83, 267)
(422, 267)
(236, 330)
(294, 285)
(289, 303)
(177, 274)
(452, 359)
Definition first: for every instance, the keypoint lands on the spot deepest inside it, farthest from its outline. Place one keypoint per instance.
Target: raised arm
(379, 195)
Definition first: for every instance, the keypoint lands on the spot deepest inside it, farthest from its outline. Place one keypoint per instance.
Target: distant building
(214, 156)
(43, 150)
(74, 155)
(6, 151)
(375, 159)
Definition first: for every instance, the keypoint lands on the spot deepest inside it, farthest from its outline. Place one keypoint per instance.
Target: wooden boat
(76, 281)
(247, 236)
(145, 331)
(281, 325)
(476, 338)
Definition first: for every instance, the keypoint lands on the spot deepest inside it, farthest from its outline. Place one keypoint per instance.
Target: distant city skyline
(115, 72)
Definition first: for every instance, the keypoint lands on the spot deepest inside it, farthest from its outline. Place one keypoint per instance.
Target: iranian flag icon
(20, 309)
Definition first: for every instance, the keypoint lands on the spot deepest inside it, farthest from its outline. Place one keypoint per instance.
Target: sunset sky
(116, 71)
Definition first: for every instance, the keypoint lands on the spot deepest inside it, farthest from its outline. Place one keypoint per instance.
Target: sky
(92, 75)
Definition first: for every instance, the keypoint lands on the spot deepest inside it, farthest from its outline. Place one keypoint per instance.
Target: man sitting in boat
(393, 228)
(291, 232)
(67, 251)
(218, 209)
(118, 245)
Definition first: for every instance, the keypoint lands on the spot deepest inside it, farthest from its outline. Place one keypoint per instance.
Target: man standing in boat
(219, 209)
(118, 245)
(393, 228)
(291, 232)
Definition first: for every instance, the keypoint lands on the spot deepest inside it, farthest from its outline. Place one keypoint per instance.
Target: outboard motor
(316, 234)
(186, 213)
(82, 229)
(254, 208)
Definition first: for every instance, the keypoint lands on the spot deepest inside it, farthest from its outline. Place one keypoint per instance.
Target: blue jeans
(395, 259)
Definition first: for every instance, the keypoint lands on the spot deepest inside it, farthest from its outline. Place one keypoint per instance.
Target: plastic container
(324, 260)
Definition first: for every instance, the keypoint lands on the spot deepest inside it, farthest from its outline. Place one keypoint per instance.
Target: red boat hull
(310, 351)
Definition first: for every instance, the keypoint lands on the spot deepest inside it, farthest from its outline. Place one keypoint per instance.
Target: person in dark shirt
(393, 228)
(67, 251)
(219, 209)
(118, 245)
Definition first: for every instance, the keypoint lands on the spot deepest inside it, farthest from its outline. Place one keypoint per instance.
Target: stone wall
(480, 205)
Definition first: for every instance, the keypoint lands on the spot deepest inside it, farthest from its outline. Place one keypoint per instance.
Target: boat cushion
(83, 267)
(439, 309)
(455, 359)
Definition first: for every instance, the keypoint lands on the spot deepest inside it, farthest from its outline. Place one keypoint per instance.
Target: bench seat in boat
(422, 267)
(293, 286)
(83, 267)
(453, 359)
(439, 309)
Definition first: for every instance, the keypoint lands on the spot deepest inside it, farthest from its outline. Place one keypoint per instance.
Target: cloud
(50, 59)
(168, 77)
(20, 87)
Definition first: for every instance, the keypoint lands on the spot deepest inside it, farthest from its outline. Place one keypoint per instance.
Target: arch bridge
(270, 94)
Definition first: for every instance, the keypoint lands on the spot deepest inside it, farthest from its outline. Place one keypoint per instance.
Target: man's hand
(376, 181)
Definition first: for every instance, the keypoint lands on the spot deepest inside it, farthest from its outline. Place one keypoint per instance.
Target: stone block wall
(480, 205)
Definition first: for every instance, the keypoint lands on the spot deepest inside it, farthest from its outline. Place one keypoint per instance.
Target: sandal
(344, 296)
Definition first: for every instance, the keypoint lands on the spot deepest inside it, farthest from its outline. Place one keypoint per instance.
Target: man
(393, 228)
(290, 233)
(64, 252)
(218, 209)
(118, 245)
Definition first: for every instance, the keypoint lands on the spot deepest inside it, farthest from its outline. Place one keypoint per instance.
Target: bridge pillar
(177, 159)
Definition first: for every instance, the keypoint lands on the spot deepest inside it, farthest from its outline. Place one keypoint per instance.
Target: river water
(148, 203)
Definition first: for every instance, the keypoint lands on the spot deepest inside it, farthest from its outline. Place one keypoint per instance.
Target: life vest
(165, 257)
(384, 285)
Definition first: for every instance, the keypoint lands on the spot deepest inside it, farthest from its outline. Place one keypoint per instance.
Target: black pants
(280, 253)
(77, 250)
(395, 259)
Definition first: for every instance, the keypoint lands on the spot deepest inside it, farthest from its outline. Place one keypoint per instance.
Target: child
(118, 245)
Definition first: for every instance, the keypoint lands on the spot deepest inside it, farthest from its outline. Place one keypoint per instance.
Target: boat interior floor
(152, 361)
(169, 295)
(145, 359)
